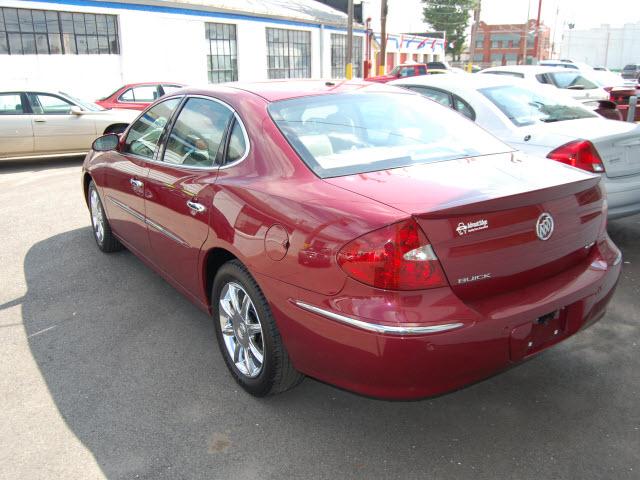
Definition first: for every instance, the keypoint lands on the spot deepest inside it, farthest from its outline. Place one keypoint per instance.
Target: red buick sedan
(354, 232)
(137, 96)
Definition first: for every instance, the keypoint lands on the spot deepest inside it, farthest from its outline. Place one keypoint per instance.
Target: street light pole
(383, 37)
(349, 72)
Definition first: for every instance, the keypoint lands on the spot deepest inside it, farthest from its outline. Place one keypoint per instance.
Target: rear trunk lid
(617, 143)
(480, 216)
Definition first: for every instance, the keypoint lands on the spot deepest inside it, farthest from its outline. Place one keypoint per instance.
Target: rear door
(55, 128)
(179, 193)
(126, 174)
(16, 131)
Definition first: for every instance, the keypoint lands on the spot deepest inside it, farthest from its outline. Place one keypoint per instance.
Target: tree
(452, 17)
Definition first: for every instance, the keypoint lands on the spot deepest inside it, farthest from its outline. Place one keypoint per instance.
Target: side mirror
(106, 143)
(75, 110)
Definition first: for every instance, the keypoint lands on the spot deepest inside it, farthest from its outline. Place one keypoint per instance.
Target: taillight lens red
(397, 257)
(581, 154)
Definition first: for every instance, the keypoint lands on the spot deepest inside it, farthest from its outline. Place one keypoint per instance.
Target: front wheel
(102, 233)
(247, 334)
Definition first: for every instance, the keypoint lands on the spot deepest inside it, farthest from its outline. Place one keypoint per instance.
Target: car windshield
(526, 106)
(572, 79)
(344, 134)
(92, 107)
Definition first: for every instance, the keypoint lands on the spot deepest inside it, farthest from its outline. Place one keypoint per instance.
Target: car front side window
(197, 133)
(144, 135)
(43, 104)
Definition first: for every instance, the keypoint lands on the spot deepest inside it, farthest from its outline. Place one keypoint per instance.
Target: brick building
(503, 44)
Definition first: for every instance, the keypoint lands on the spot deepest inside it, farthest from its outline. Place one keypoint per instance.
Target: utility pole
(536, 41)
(349, 72)
(525, 35)
(383, 37)
(472, 40)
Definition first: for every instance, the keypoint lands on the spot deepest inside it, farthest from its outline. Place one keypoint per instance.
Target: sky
(405, 15)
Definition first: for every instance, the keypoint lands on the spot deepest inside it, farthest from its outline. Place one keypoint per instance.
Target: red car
(354, 232)
(401, 71)
(138, 96)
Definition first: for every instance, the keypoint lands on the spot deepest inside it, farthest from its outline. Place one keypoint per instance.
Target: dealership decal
(464, 228)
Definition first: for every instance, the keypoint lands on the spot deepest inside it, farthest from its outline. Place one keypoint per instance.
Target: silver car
(40, 123)
(540, 121)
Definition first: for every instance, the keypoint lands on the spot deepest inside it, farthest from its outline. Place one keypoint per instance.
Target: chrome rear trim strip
(375, 327)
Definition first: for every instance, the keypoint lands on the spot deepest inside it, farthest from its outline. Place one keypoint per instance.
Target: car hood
(120, 114)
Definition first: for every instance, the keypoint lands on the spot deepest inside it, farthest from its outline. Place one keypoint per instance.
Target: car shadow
(135, 372)
(13, 166)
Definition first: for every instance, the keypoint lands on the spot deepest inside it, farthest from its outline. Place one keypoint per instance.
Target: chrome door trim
(375, 327)
(170, 235)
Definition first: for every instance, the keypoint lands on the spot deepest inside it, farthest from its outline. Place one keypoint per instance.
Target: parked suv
(631, 72)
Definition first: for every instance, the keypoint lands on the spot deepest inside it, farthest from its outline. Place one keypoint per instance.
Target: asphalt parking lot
(107, 371)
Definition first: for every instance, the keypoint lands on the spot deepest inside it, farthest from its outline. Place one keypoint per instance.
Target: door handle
(196, 207)
(39, 120)
(136, 183)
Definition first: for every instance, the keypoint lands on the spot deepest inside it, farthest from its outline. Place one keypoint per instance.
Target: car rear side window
(350, 133)
(197, 133)
(443, 98)
(144, 135)
(570, 79)
(11, 104)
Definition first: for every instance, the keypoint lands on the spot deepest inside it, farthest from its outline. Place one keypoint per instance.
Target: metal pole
(349, 72)
(536, 41)
(474, 32)
(631, 113)
(383, 37)
(525, 35)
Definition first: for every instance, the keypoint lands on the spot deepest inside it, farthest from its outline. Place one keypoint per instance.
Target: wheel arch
(213, 259)
(116, 128)
(86, 180)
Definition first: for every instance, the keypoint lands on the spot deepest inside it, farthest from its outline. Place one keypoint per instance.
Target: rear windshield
(631, 67)
(350, 133)
(570, 79)
(525, 106)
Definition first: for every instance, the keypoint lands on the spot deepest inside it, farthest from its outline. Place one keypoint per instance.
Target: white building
(89, 48)
(613, 47)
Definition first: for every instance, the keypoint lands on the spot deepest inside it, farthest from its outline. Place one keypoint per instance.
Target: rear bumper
(489, 335)
(623, 195)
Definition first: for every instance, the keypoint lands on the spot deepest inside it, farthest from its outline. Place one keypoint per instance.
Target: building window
(47, 32)
(222, 60)
(339, 55)
(479, 43)
(288, 53)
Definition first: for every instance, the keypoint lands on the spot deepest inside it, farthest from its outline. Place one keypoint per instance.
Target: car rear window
(631, 68)
(351, 133)
(525, 106)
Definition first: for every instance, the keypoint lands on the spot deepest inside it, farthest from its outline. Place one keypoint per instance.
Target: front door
(125, 177)
(56, 129)
(179, 189)
(16, 133)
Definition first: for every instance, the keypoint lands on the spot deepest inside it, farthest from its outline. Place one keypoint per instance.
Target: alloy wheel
(97, 216)
(241, 329)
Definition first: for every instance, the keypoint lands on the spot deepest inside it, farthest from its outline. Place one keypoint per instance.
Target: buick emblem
(544, 226)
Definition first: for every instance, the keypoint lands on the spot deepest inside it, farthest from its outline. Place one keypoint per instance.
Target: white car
(542, 122)
(37, 123)
(576, 83)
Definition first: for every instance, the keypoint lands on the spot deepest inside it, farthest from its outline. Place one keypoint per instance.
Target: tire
(253, 333)
(101, 229)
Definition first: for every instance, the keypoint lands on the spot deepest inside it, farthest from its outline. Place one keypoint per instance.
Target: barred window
(222, 60)
(47, 32)
(339, 55)
(288, 53)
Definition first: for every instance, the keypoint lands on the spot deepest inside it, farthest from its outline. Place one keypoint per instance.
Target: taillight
(581, 154)
(397, 257)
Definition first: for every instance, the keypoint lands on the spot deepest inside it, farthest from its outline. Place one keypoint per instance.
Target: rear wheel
(247, 334)
(102, 233)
